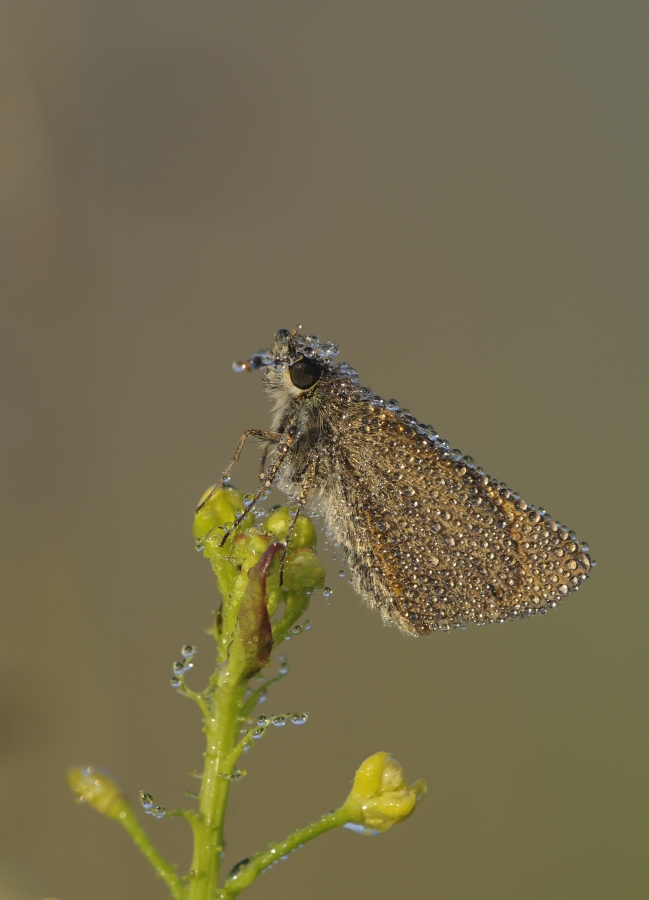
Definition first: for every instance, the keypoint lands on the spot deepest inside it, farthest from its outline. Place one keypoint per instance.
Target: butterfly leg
(271, 436)
(262, 463)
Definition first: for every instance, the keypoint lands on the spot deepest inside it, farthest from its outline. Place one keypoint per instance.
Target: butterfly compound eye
(305, 373)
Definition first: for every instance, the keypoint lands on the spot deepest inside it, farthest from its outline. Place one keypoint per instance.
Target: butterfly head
(297, 360)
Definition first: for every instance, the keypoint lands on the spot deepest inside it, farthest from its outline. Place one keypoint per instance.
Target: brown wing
(432, 541)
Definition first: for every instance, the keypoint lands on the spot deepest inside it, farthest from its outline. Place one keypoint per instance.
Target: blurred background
(456, 193)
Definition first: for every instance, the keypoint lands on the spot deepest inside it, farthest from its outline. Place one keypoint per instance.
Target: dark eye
(305, 373)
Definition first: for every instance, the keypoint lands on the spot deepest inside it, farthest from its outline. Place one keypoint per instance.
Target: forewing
(432, 541)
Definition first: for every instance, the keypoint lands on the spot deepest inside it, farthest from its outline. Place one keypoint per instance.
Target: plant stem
(247, 874)
(163, 869)
(221, 730)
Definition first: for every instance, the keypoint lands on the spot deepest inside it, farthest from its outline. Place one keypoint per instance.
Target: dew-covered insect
(430, 540)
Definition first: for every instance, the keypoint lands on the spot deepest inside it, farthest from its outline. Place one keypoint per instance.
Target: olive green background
(456, 193)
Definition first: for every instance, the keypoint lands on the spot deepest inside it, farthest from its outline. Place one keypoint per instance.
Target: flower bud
(96, 788)
(220, 508)
(303, 534)
(380, 795)
(303, 572)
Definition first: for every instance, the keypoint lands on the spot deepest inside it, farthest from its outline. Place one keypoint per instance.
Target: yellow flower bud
(96, 788)
(380, 795)
(220, 509)
(304, 533)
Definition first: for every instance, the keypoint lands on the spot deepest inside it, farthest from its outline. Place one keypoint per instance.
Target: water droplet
(247, 746)
(248, 499)
(296, 629)
(312, 340)
(341, 574)
(262, 720)
(239, 366)
(298, 718)
(308, 625)
(327, 591)
(392, 405)
(279, 721)
(257, 733)
(199, 545)
(158, 812)
(176, 682)
(293, 510)
(189, 651)
(228, 527)
(146, 800)
(283, 665)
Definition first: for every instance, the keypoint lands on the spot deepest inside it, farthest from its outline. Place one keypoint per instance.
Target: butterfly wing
(430, 540)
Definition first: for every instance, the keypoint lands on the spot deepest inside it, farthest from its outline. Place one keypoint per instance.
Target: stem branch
(162, 868)
(244, 877)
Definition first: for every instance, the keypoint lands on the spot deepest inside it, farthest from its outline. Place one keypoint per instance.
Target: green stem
(221, 730)
(163, 869)
(247, 874)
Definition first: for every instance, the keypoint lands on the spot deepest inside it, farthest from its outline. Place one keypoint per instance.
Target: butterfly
(429, 539)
